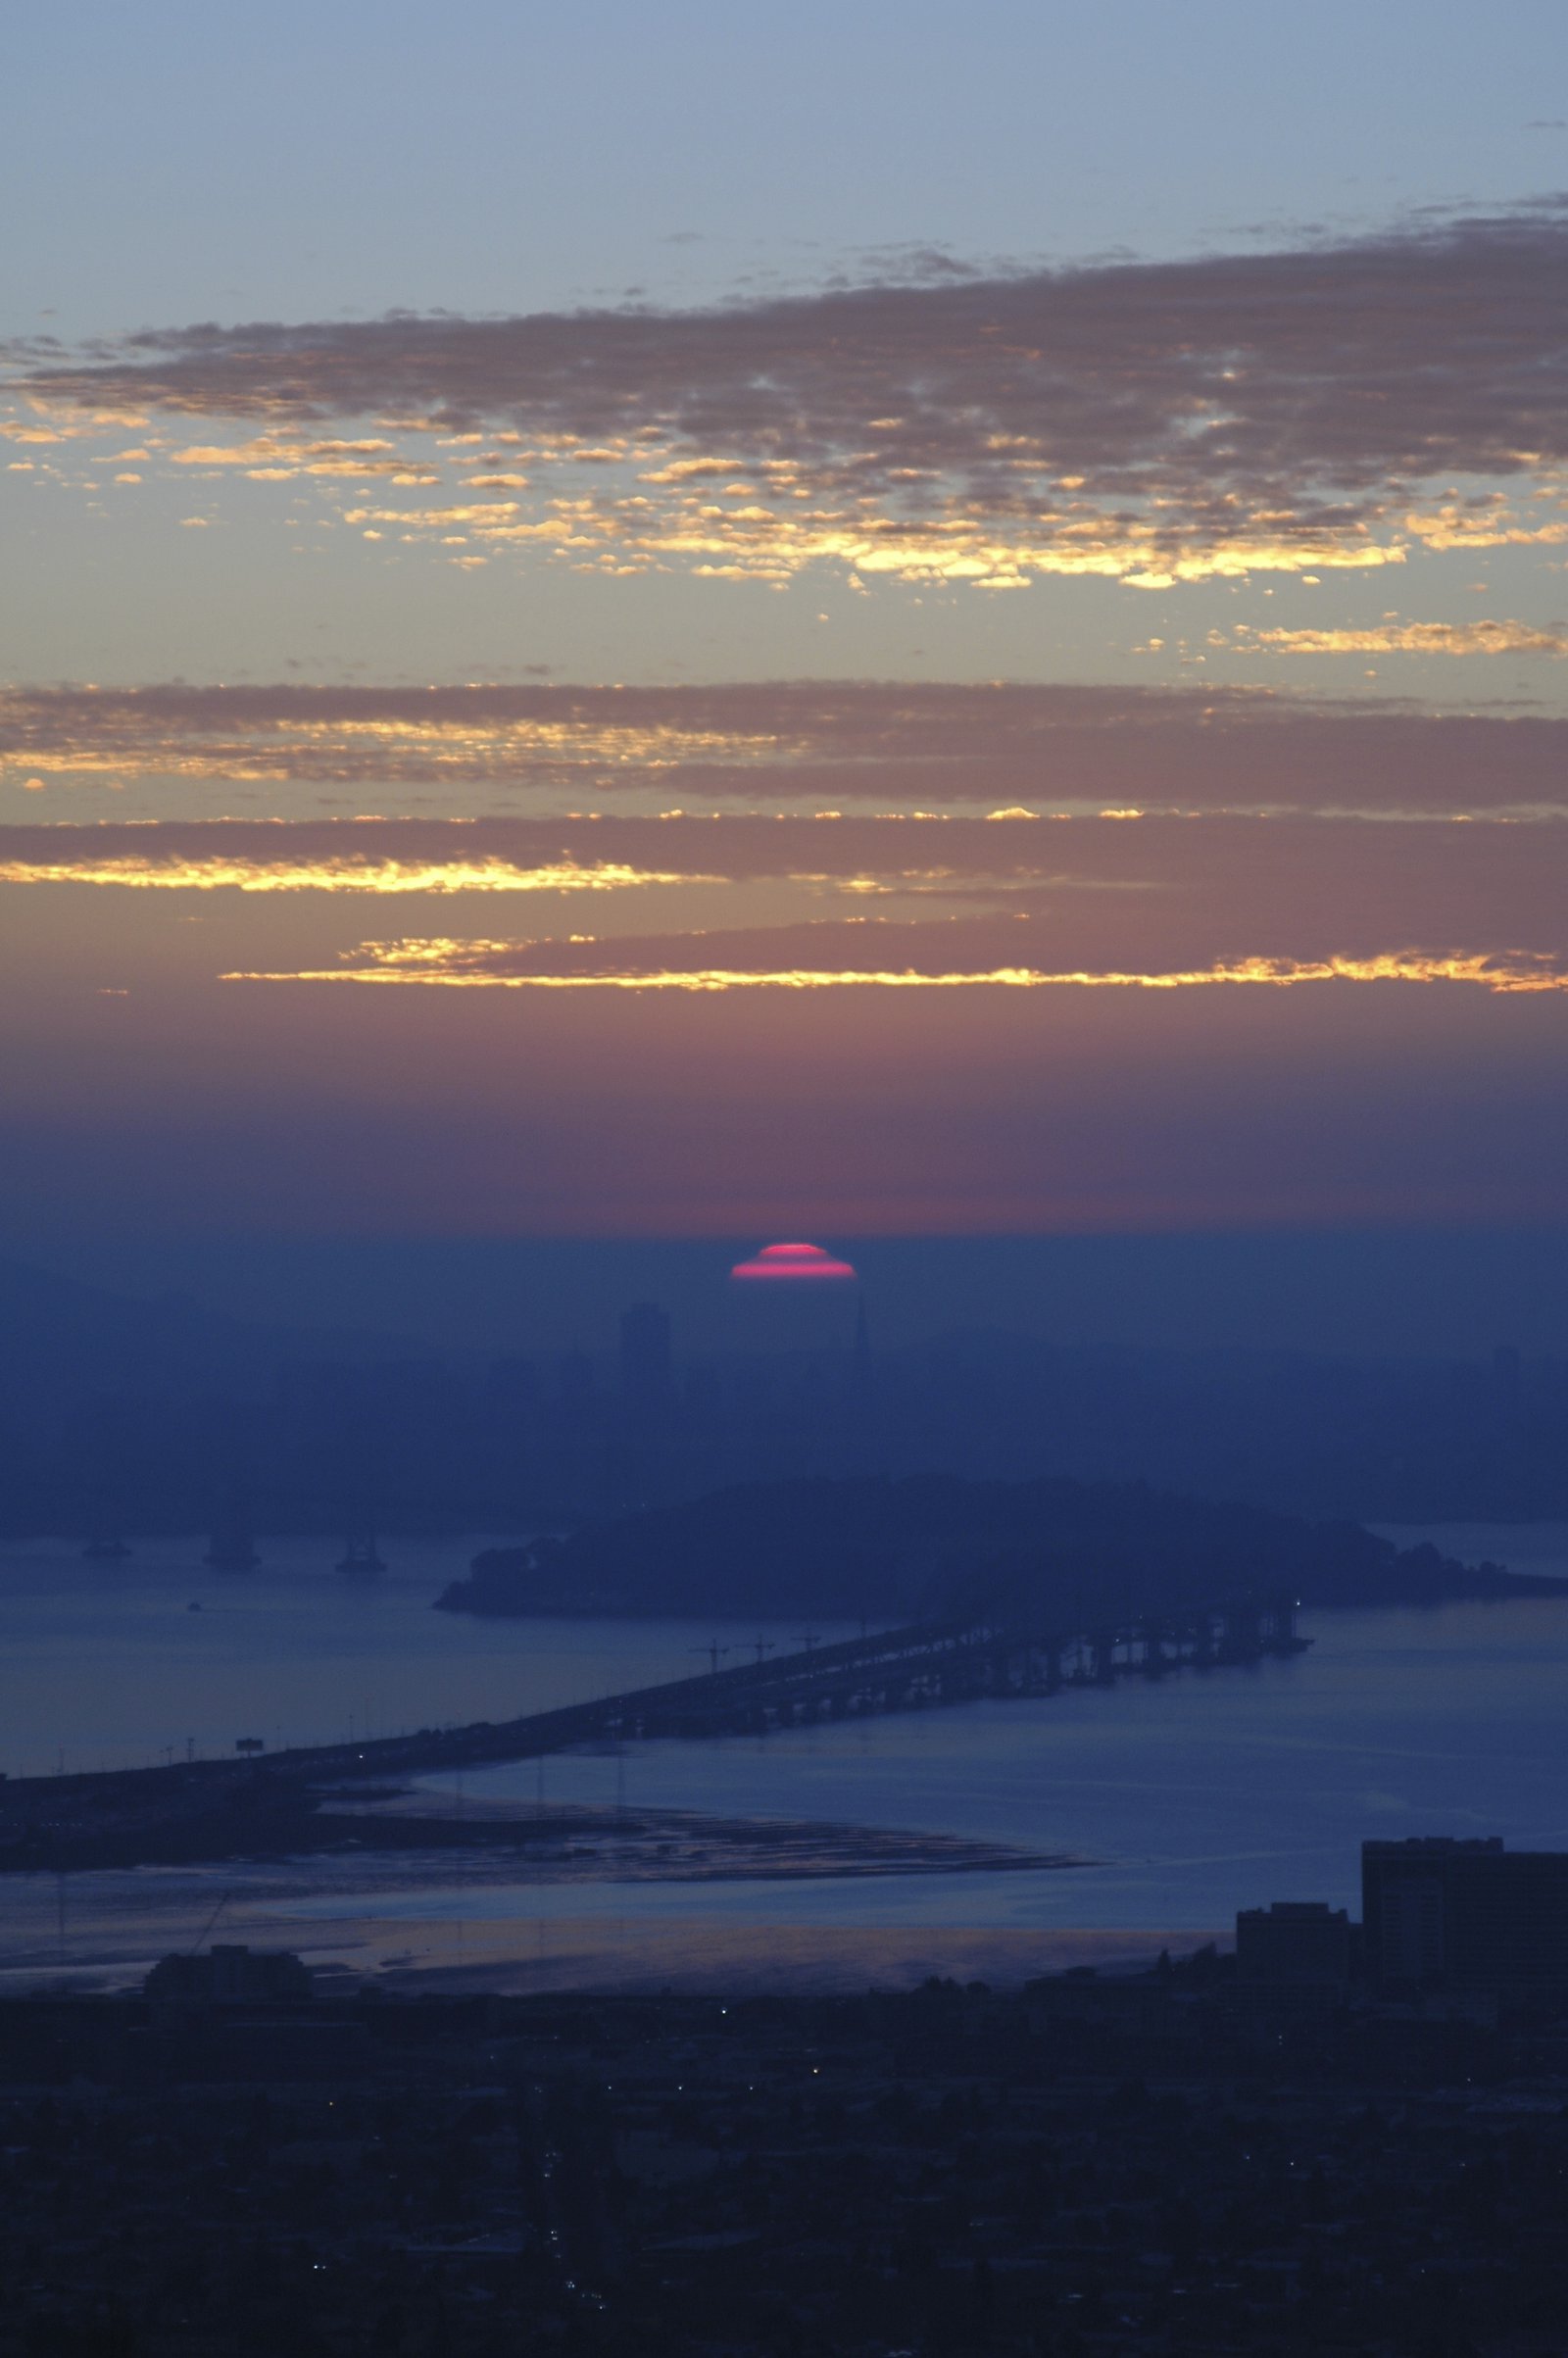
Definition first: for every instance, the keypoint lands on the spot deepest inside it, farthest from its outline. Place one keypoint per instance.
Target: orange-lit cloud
(1166, 893)
(497, 965)
(1322, 407)
(1418, 638)
(281, 458)
(345, 875)
(811, 745)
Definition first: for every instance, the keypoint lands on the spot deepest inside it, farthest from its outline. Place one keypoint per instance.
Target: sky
(858, 622)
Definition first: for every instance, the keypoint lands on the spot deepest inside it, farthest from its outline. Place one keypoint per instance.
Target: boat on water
(106, 1548)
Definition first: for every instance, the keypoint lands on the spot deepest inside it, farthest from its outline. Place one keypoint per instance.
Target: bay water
(1185, 1799)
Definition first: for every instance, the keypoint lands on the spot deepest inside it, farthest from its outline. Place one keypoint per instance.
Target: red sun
(793, 1264)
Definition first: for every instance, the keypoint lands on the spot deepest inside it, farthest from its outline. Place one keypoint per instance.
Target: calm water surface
(1191, 1797)
(107, 1665)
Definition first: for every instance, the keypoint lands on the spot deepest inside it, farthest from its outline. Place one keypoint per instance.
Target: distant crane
(715, 1652)
(810, 1637)
(764, 1645)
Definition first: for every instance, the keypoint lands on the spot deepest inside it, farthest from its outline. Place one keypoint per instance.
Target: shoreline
(589, 1957)
(535, 1842)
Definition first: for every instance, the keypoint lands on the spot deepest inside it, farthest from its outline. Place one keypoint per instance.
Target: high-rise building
(1300, 1943)
(860, 1372)
(645, 1356)
(1453, 1916)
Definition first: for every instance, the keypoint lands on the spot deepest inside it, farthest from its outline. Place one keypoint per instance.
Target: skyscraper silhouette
(645, 1356)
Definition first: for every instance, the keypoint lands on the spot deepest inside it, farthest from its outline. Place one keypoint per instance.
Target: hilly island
(936, 1547)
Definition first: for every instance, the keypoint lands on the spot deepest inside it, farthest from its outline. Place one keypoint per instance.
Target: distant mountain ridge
(939, 1545)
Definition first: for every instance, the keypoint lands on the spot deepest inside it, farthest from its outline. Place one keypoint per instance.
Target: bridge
(953, 1662)
(917, 1668)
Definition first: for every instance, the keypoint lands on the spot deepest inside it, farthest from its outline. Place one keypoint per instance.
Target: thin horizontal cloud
(871, 745)
(445, 963)
(467, 734)
(277, 459)
(283, 874)
(1154, 421)
(858, 855)
(1172, 892)
(1417, 638)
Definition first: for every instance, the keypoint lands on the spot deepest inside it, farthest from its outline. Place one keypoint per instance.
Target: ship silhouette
(106, 1548)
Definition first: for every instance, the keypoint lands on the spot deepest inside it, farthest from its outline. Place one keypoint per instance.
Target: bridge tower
(360, 1555)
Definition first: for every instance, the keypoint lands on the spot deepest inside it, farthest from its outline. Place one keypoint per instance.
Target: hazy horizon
(1362, 1295)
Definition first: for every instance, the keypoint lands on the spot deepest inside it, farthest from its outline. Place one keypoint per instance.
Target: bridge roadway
(888, 1670)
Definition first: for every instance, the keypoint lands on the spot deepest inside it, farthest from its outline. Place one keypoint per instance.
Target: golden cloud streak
(447, 964)
(1418, 638)
(885, 747)
(343, 875)
(1490, 523)
(758, 541)
(775, 521)
(289, 745)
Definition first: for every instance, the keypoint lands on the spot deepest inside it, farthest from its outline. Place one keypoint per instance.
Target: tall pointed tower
(861, 1381)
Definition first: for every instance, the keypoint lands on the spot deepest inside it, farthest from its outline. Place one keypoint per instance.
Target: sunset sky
(836, 622)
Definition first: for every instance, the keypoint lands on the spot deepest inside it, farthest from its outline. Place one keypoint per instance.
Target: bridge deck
(886, 1670)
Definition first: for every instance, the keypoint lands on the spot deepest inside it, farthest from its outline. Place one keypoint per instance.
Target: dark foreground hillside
(937, 1544)
(1086, 2169)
